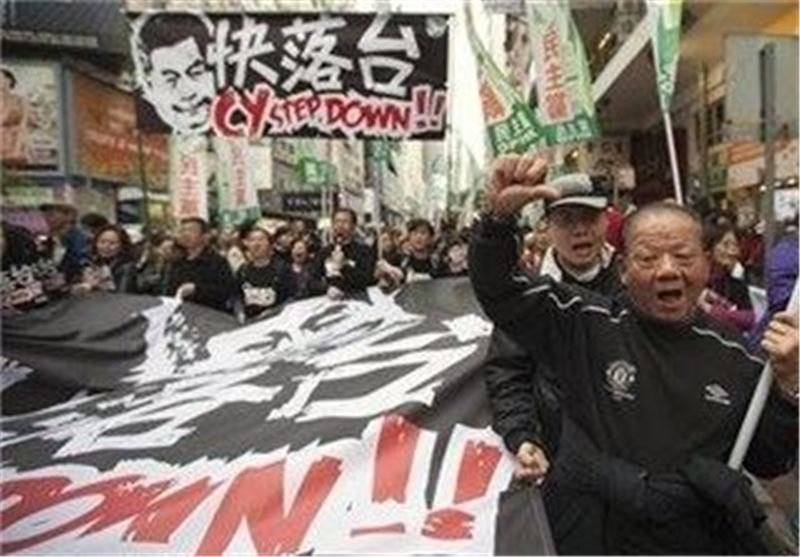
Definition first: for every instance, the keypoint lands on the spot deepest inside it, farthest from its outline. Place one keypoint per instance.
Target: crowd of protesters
(254, 268)
(577, 246)
(247, 271)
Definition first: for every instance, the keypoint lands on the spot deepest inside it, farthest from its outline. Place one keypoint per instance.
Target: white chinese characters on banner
(188, 177)
(344, 75)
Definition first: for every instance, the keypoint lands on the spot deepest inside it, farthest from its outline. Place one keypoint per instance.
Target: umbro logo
(715, 392)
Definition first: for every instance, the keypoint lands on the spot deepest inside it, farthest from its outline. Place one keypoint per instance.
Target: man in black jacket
(202, 276)
(419, 264)
(263, 282)
(654, 391)
(346, 266)
(524, 395)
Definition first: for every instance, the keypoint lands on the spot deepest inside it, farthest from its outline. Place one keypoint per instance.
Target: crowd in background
(246, 271)
(258, 266)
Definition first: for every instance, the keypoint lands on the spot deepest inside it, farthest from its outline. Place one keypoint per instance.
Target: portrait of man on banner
(173, 70)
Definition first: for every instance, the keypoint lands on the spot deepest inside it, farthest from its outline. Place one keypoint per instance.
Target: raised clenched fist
(514, 182)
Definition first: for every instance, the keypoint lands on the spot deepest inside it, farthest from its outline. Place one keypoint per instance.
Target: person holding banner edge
(346, 266)
(655, 391)
(524, 395)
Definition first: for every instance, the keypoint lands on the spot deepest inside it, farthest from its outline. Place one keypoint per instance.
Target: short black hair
(198, 221)
(167, 29)
(283, 230)
(10, 77)
(256, 228)
(126, 246)
(413, 224)
(94, 221)
(714, 232)
(656, 208)
(349, 211)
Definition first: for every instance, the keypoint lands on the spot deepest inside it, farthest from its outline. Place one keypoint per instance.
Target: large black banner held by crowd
(302, 74)
(358, 426)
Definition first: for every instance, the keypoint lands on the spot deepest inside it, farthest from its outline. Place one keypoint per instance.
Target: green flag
(312, 173)
(510, 123)
(665, 30)
(236, 194)
(563, 80)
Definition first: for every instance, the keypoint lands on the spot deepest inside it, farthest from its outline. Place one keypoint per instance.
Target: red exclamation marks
(397, 443)
(437, 111)
(478, 464)
(394, 458)
(421, 107)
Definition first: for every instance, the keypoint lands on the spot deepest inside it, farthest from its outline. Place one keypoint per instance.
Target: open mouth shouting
(671, 298)
(583, 248)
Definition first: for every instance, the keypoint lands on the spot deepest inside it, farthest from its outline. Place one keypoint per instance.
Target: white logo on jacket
(714, 392)
(620, 376)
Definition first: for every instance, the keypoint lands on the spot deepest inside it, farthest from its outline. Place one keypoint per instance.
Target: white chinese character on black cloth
(246, 45)
(309, 54)
(376, 47)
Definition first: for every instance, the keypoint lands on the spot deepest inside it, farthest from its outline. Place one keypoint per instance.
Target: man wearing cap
(654, 391)
(523, 395)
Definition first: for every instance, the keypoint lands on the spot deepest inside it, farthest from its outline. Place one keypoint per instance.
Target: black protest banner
(297, 74)
(329, 427)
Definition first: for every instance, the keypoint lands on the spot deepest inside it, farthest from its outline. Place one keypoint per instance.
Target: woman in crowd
(390, 250)
(300, 276)
(726, 298)
(112, 268)
(152, 267)
(229, 247)
(264, 280)
(454, 259)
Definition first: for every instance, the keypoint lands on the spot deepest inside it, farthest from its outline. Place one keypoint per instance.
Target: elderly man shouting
(654, 392)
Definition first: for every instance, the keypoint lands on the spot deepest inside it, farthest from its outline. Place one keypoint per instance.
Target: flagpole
(673, 158)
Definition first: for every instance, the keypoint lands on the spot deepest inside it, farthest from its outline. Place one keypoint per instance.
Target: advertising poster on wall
(30, 104)
(106, 137)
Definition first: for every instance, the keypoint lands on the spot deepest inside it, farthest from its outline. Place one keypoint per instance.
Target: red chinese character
(550, 44)
(556, 105)
(189, 206)
(554, 75)
(491, 104)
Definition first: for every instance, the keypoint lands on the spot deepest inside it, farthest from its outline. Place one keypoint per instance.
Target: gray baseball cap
(580, 190)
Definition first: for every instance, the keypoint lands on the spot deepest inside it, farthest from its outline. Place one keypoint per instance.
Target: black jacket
(415, 268)
(649, 395)
(212, 278)
(523, 395)
(261, 288)
(122, 273)
(357, 274)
